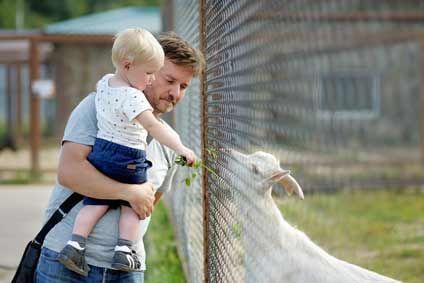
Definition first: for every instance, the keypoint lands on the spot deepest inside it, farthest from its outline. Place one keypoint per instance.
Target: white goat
(289, 256)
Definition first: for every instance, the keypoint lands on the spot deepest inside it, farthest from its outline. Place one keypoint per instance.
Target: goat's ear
(280, 174)
(291, 186)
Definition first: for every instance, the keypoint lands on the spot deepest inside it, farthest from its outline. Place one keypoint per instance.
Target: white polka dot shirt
(117, 108)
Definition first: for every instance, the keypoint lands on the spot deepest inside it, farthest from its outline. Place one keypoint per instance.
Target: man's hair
(137, 45)
(181, 53)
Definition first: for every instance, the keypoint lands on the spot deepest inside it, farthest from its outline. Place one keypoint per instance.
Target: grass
(163, 263)
(21, 177)
(379, 230)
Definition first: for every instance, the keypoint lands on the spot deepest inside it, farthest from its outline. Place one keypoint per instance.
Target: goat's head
(267, 168)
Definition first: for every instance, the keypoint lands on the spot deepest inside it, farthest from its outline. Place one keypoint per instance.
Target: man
(182, 63)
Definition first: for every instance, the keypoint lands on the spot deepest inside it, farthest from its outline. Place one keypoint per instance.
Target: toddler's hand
(189, 155)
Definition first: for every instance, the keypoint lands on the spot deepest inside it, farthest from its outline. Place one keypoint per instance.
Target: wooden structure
(96, 30)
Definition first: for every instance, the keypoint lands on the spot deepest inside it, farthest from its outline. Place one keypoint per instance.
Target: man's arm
(77, 173)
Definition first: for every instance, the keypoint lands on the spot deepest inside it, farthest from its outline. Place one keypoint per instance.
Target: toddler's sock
(124, 245)
(77, 241)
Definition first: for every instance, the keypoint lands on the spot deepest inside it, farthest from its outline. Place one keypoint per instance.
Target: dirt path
(21, 216)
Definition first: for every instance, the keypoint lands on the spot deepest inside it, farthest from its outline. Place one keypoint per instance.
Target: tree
(39, 13)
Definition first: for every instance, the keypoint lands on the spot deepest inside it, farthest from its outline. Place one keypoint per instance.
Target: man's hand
(141, 199)
(77, 173)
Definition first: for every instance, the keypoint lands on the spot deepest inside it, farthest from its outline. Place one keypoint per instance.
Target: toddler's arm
(165, 135)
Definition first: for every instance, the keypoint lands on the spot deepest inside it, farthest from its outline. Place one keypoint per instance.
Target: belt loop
(104, 275)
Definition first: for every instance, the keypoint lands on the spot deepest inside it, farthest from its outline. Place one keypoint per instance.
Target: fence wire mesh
(332, 89)
(186, 202)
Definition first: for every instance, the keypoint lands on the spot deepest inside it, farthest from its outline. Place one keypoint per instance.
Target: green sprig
(196, 166)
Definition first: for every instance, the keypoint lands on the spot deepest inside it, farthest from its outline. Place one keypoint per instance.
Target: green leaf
(197, 164)
(180, 161)
(187, 182)
(212, 152)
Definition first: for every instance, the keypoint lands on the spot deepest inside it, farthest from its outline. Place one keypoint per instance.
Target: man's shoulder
(85, 107)
(82, 124)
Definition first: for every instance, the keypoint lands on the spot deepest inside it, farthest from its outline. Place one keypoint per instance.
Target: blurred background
(333, 89)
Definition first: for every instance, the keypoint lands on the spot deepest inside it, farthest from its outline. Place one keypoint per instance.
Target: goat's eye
(255, 169)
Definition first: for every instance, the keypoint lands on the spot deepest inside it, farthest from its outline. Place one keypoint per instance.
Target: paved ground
(21, 216)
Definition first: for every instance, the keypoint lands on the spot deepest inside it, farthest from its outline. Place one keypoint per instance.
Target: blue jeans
(50, 270)
(121, 163)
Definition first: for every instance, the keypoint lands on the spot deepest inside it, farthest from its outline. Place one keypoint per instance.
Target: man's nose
(175, 92)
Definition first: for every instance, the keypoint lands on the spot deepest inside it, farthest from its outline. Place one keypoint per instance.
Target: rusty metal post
(18, 108)
(167, 12)
(202, 37)
(35, 131)
(9, 107)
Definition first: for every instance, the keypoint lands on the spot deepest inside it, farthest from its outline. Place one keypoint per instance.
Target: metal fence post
(35, 132)
(18, 104)
(202, 37)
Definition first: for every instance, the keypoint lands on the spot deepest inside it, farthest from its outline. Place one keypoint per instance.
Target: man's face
(169, 87)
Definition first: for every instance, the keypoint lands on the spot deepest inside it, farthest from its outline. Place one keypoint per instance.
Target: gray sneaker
(126, 261)
(74, 259)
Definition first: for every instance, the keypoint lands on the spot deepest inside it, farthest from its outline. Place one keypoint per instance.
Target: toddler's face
(140, 75)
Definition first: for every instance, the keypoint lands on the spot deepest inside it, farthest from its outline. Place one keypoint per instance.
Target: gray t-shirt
(82, 129)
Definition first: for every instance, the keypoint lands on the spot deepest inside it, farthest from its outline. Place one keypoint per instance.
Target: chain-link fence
(187, 203)
(333, 89)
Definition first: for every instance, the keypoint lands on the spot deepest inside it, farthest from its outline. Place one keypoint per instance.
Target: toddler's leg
(129, 224)
(72, 255)
(87, 219)
(125, 258)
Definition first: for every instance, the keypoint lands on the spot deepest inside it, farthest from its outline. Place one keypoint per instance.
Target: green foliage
(163, 263)
(197, 166)
(379, 230)
(7, 13)
(38, 13)
(22, 177)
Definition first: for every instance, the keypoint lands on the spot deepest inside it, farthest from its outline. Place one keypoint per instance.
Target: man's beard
(166, 107)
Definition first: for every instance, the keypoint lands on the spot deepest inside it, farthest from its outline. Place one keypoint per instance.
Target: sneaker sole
(69, 264)
(122, 267)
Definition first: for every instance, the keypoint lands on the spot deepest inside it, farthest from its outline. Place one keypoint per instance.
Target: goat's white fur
(299, 259)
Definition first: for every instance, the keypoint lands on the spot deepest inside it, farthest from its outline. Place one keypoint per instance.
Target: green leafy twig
(197, 165)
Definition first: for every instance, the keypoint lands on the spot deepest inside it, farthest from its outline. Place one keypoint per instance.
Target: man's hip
(50, 270)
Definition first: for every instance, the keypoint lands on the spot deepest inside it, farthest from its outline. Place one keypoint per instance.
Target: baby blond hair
(138, 46)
